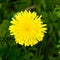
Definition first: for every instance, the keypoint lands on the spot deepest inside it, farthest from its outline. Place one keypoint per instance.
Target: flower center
(27, 28)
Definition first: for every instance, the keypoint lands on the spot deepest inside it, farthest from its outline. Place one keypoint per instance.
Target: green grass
(49, 48)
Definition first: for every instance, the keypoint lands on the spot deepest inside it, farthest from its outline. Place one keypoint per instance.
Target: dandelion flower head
(27, 28)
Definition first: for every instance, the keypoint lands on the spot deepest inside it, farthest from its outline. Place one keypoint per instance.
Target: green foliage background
(49, 48)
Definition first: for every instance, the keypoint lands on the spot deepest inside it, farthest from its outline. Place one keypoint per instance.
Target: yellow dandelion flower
(27, 28)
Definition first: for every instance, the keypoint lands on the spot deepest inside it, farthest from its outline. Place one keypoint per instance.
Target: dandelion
(27, 28)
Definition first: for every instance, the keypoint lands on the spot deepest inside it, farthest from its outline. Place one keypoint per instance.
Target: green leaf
(3, 48)
(50, 28)
(40, 5)
(13, 53)
(58, 46)
(58, 41)
(57, 11)
(58, 58)
(22, 5)
(59, 52)
(43, 3)
(59, 33)
(51, 58)
(57, 2)
(0, 5)
(4, 28)
(50, 4)
(0, 58)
